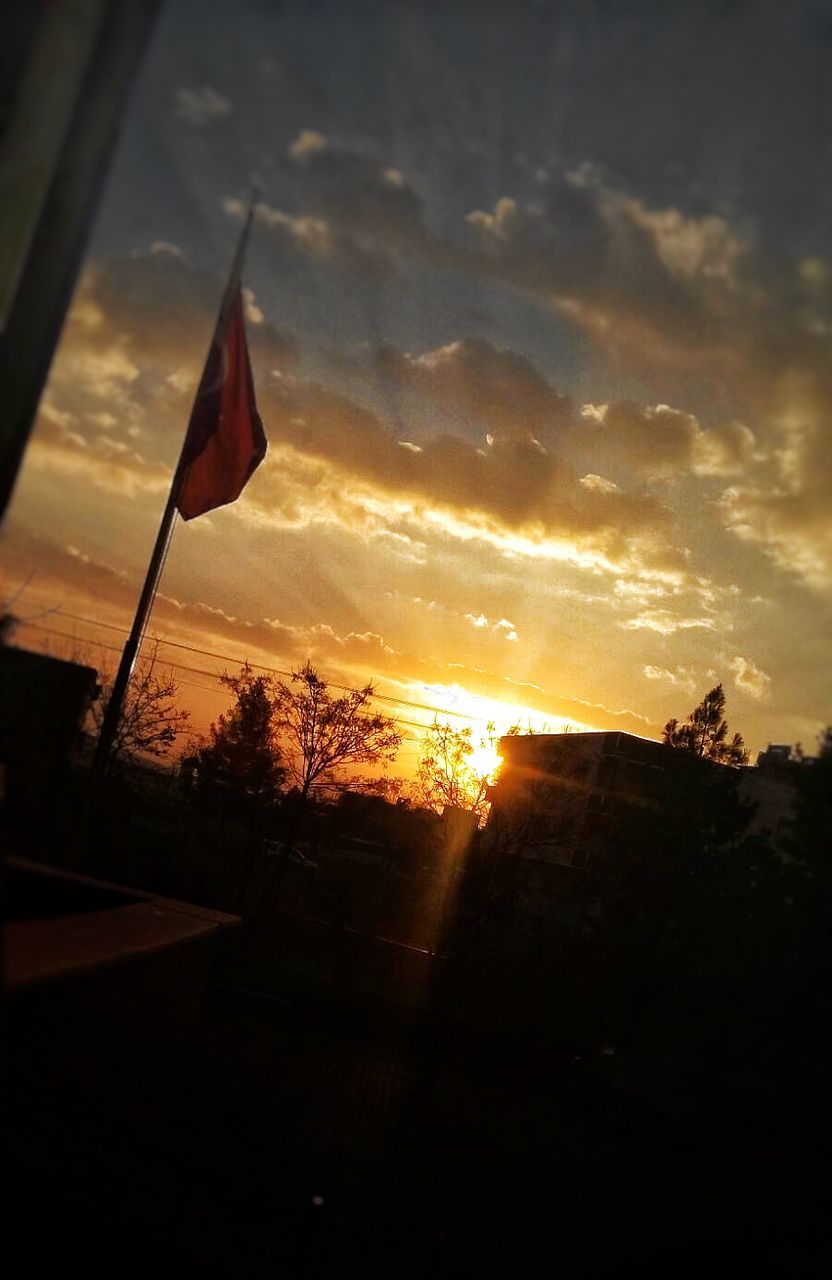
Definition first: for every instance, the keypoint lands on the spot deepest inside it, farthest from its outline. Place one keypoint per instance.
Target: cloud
(106, 462)
(640, 280)
(680, 677)
(790, 516)
(317, 239)
(648, 282)
(749, 678)
(120, 391)
(689, 247)
(162, 312)
(546, 707)
(662, 442)
(167, 247)
(502, 627)
(498, 389)
(667, 292)
(47, 566)
(666, 623)
(347, 208)
(512, 488)
(61, 573)
(307, 142)
(201, 106)
(599, 484)
(356, 192)
(253, 313)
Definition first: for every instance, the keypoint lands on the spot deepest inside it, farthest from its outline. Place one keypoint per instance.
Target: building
(43, 703)
(585, 827)
(773, 788)
(575, 799)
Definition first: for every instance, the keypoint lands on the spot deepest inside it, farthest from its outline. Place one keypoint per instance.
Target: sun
(485, 761)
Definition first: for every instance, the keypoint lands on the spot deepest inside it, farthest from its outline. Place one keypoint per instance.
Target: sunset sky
(539, 313)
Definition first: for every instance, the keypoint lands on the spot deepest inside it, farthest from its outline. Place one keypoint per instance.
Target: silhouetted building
(775, 756)
(43, 702)
(583, 824)
(567, 798)
(773, 789)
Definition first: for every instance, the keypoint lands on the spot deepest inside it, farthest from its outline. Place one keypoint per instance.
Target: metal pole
(106, 738)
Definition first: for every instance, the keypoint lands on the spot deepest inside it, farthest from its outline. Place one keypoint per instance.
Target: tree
(447, 775)
(151, 721)
(242, 754)
(704, 734)
(321, 734)
(8, 625)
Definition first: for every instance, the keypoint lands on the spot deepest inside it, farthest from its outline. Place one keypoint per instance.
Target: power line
(212, 675)
(257, 666)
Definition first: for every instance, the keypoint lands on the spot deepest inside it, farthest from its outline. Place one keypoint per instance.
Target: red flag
(225, 442)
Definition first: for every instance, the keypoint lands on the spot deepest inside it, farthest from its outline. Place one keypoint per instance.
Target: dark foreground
(305, 1128)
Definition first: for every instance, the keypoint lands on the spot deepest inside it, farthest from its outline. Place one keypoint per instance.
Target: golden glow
(490, 718)
(485, 761)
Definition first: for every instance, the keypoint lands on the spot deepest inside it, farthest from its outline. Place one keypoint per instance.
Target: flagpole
(112, 715)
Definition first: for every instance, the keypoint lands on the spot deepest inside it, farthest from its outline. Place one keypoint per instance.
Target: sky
(539, 305)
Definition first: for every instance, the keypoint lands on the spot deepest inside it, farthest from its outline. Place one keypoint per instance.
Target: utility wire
(221, 657)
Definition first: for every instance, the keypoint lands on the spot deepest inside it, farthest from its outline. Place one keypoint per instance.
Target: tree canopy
(242, 753)
(150, 721)
(321, 734)
(705, 732)
(446, 776)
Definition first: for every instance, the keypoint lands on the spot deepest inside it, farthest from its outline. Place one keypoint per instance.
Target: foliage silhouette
(242, 754)
(705, 732)
(320, 734)
(445, 776)
(150, 722)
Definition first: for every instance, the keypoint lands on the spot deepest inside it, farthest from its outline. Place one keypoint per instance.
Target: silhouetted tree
(320, 734)
(8, 624)
(151, 722)
(705, 732)
(242, 754)
(445, 775)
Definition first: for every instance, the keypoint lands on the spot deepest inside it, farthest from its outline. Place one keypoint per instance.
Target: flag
(225, 442)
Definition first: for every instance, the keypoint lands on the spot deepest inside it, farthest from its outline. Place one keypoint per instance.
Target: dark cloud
(344, 208)
(513, 480)
(200, 106)
(497, 388)
(357, 193)
(663, 443)
(646, 283)
(163, 310)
